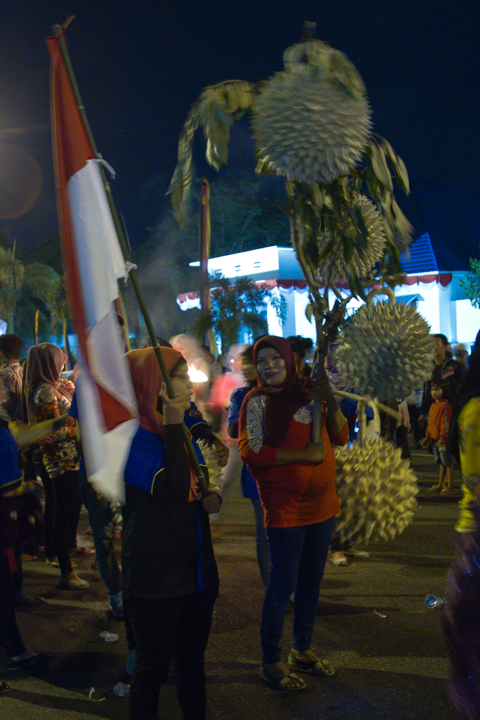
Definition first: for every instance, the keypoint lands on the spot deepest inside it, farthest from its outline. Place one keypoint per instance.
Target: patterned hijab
(285, 399)
(147, 383)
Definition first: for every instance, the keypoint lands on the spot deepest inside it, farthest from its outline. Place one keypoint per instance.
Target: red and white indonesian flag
(93, 262)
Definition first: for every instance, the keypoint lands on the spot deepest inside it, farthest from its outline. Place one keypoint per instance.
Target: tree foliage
(234, 307)
(25, 287)
(471, 284)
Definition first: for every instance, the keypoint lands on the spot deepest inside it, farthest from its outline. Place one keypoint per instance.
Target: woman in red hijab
(169, 575)
(296, 483)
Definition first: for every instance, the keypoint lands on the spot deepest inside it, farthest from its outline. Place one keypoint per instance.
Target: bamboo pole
(58, 32)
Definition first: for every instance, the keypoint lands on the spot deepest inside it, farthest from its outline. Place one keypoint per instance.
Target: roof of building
(419, 257)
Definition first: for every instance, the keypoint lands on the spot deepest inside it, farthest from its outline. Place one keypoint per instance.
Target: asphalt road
(372, 624)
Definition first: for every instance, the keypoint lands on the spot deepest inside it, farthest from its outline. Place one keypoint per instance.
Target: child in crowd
(438, 424)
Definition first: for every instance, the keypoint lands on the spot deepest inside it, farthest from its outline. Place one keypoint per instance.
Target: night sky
(140, 65)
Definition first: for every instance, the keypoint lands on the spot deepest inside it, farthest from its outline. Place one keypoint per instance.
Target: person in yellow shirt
(464, 441)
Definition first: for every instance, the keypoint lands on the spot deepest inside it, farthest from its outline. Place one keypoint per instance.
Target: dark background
(140, 65)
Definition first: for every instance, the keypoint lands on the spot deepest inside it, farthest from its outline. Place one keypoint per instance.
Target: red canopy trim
(442, 279)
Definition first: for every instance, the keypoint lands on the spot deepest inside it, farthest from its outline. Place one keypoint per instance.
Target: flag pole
(58, 32)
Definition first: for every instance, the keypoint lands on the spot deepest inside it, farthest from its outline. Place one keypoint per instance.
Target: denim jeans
(298, 556)
(263, 550)
(102, 523)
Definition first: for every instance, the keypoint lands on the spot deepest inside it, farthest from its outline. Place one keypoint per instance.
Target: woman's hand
(315, 453)
(173, 408)
(221, 453)
(211, 502)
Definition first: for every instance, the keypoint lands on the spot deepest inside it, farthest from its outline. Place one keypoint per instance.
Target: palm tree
(234, 307)
(40, 281)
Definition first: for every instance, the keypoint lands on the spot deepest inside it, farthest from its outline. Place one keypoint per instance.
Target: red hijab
(147, 383)
(285, 399)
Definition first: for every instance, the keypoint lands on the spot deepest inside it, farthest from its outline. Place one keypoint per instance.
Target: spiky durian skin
(308, 128)
(385, 350)
(360, 263)
(377, 492)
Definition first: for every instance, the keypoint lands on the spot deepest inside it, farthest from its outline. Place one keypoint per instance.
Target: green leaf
(329, 247)
(380, 167)
(401, 173)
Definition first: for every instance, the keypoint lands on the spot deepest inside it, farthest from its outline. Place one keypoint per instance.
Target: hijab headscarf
(44, 366)
(469, 389)
(147, 383)
(285, 399)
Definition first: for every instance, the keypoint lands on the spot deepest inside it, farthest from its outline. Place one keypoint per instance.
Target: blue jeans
(102, 523)
(263, 550)
(298, 556)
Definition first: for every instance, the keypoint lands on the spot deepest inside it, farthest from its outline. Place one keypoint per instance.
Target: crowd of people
(256, 415)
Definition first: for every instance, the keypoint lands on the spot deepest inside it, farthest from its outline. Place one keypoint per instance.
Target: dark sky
(140, 65)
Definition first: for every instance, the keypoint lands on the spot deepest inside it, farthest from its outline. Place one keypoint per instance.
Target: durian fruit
(335, 265)
(311, 121)
(214, 470)
(385, 350)
(377, 492)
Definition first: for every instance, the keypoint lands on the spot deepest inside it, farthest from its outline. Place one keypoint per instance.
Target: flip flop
(321, 668)
(281, 683)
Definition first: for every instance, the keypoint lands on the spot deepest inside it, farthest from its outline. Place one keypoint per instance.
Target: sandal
(321, 668)
(80, 550)
(282, 682)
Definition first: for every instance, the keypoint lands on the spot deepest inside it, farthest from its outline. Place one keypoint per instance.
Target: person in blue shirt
(169, 574)
(10, 479)
(249, 484)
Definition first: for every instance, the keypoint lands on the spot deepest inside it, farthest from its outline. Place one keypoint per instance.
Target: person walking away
(296, 483)
(436, 435)
(169, 574)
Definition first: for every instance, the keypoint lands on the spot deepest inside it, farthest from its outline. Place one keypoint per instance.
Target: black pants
(63, 503)
(10, 636)
(180, 627)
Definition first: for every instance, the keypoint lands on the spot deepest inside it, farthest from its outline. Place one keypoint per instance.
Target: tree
(26, 287)
(471, 284)
(312, 126)
(241, 219)
(235, 307)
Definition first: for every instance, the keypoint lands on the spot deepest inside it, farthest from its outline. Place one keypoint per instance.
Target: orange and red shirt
(438, 422)
(298, 493)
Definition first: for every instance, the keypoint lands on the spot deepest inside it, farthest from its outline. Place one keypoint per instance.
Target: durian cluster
(214, 470)
(385, 350)
(377, 491)
(360, 263)
(312, 121)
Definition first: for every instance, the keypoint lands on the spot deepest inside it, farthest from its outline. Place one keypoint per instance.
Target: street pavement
(372, 624)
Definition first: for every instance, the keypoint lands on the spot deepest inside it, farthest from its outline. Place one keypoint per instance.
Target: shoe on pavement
(72, 582)
(34, 660)
(355, 553)
(338, 558)
(116, 605)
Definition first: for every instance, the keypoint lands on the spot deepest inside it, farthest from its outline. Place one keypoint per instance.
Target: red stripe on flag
(71, 150)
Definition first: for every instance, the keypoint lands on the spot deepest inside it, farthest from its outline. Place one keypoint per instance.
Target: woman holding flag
(170, 579)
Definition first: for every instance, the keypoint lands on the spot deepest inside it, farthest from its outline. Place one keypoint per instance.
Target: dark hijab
(285, 399)
(469, 389)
